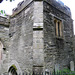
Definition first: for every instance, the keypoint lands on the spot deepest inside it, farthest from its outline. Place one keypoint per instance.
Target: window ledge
(59, 38)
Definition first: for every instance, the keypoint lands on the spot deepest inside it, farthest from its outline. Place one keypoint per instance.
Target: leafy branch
(6, 0)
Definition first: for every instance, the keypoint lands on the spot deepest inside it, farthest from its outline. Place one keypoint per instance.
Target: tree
(2, 13)
(6, 0)
(1, 1)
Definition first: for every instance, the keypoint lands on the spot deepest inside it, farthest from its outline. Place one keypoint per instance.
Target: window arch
(12, 70)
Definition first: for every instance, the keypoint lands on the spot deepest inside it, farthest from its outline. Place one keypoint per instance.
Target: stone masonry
(4, 43)
(58, 49)
(37, 37)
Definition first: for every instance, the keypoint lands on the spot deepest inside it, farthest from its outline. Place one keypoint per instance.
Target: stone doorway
(12, 71)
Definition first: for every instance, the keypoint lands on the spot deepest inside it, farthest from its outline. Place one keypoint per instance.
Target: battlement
(59, 6)
(21, 6)
(56, 4)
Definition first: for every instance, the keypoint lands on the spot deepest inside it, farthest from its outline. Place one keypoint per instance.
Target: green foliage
(6, 0)
(10, 0)
(65, 72)
(39, 26)
(14, 67)
(1, 1)
(2, 13)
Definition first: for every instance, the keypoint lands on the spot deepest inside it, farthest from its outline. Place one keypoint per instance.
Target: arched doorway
(12, 70)
(14, 65)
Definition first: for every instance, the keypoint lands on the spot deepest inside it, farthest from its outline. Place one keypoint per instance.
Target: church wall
(58, 50)
(21, 39)
(39, 38)
(4, 43)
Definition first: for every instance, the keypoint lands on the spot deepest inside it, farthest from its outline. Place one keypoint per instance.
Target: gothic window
(58, 28)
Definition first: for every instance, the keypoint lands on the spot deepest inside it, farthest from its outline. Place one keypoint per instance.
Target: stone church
(37, 37)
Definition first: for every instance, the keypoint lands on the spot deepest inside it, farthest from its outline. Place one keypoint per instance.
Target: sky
(8, 6)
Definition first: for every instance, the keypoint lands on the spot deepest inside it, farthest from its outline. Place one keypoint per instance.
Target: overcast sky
(8, 6)
(71, 5)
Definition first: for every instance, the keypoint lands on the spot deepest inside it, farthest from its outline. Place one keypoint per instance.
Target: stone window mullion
(60, 29)
(56, 28)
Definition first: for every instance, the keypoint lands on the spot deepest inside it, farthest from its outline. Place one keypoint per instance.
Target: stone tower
(40, 36)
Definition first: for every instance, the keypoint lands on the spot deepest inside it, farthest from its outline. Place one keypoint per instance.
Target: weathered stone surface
(31, 38)
(4, 46)
(58, 50)
(38, 53)
(22, 39)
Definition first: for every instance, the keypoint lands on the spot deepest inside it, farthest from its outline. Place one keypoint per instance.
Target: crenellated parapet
(56, 4)
(59, 6)
(21, 6)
